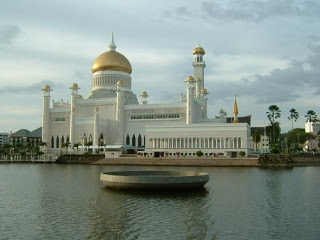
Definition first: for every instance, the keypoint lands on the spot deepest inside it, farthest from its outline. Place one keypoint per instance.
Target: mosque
(112, 116)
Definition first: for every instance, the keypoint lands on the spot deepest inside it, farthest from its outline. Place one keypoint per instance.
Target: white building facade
(111, 115)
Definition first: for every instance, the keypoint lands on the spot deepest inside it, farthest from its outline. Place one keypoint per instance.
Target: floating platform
(154, 179)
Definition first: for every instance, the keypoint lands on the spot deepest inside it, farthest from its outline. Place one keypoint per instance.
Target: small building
(4, 139)
(24, 136)
(259, 140)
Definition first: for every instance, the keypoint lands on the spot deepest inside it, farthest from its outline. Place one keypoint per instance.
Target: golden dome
(74, 85)
(46, 88)
(79, 96)
(120, 82)
(204, 91)
(144, 94)
(112, 60)
(198, 50)
(190, 78)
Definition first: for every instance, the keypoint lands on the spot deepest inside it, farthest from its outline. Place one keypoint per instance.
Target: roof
(258, 129)
(244, 119)
(26, 133)
(36, 133)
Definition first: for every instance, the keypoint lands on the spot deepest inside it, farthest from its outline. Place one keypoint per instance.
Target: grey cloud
(227, 11)
(30, 89)
(8, 34)
(280, 85)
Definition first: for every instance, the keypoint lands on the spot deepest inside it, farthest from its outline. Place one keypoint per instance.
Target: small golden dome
(198, 50)
(74, 85)
(190, 78)
(120, 82)
(79, 96)
(112, 60)
(46, 88)
(204, 91)
(144, 94)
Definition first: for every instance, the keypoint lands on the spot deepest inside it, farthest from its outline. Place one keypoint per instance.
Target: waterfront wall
(76, 158)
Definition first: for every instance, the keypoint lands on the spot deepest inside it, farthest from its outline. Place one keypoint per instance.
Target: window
(59, 119)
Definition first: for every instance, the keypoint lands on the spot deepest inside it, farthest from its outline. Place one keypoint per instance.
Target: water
(50, 201)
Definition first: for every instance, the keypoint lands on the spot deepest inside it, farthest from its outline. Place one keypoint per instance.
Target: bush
(242, 154)
(199, 153)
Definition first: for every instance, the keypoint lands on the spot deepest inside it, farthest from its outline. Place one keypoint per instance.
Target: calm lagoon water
(51, 201)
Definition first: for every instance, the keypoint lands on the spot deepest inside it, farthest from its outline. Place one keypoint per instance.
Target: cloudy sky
(265, 51)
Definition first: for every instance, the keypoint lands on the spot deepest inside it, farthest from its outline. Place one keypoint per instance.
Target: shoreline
(179, 162)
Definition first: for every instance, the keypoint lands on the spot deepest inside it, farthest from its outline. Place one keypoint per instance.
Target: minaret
(190, 100)
(119, 112)
(96, 127)
(144, 97)
(235, 110)
(46, 115)
(199, 66)
(74, 96)
(204, 98)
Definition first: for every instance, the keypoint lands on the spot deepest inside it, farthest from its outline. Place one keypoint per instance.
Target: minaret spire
(235, 110)
(112, 45)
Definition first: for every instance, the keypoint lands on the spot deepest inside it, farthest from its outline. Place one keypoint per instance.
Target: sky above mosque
(265, 52)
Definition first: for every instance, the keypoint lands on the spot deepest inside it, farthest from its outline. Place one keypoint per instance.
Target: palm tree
(76, 145)
(273, 114)
(294, 115)
(311, 116)
(66, 145)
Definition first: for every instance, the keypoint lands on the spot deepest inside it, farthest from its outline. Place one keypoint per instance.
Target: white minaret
(46, 115)
(74, 95)
(96, 127)
(199, 66)
(204, 98)
(190, 99)
(144, 97)
(119, 112)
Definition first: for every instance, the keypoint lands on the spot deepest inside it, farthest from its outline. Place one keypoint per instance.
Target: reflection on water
(69, 202)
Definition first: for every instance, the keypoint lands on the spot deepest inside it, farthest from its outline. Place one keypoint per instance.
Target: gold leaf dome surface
(198, 50)
(204, 91)
(112, 60)
(190, 78)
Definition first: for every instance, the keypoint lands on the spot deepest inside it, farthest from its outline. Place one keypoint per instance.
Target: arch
(133, 140)
(68, 140)
(57, 142)
(128, 140)
(239, 142)
(144, 141)
(52, 142)
(62, 140)
(139, 141)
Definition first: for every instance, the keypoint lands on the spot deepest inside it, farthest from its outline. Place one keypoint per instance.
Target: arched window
(57, 142)
(133, 140)
(139, 141)
(52, 142)
(62, 141)
(68, 140)
(128, 140)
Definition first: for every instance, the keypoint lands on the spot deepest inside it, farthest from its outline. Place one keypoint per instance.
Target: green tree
(311, 116)
(296, 138)
(66, 145)
(294, 115)
(273, 132)
(199, 153)
(273, 114)
(76, 145)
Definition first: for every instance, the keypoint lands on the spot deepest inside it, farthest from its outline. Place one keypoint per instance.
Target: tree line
(292, 141)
